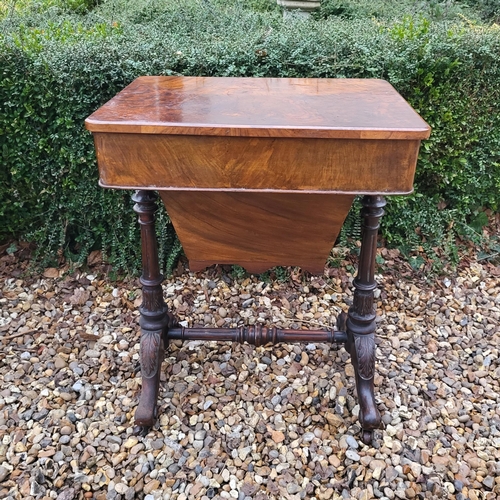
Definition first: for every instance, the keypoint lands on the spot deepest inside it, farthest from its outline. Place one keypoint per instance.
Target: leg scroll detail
(364, 346)
(150, 349)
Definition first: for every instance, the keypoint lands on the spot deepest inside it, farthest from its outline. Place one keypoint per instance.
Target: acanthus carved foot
(363, 359)
(364, 346)
(150, 348)
(152, 353)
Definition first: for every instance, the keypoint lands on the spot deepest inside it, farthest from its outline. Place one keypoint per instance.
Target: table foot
(362, 350)
(140, 431)
(369, 416)
(367, 437)
(143, 430)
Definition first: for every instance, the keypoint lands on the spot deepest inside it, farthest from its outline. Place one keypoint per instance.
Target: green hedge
(56, 67)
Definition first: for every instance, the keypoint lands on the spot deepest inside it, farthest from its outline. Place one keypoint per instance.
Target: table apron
(166, 162)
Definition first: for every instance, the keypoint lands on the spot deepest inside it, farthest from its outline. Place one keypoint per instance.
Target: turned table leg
(153, 311)
(361, 317)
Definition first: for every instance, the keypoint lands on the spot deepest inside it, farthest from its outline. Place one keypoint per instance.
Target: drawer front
(257, 164)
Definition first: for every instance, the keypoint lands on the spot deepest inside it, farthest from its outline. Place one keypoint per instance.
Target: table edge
(96, 126)
(256, 190)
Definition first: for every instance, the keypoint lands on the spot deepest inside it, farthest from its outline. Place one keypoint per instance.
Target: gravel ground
(241, 422)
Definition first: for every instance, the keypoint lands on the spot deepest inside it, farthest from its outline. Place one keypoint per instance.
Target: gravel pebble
(237, 421)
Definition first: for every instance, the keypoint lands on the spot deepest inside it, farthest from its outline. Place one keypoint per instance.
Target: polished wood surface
(261, 107)
(259, 134)
(256, 230)
(146, 161)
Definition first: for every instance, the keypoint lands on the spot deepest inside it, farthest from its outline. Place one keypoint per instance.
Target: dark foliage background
(59, 61)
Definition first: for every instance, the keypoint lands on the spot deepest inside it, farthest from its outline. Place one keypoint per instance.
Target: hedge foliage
(57, 65)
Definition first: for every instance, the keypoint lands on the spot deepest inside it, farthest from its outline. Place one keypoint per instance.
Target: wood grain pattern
(148, 161)
(261, 107)
(256, 230)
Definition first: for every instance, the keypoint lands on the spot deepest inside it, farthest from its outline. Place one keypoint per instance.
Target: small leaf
(51, 272)
(416, 262)
(11, 249)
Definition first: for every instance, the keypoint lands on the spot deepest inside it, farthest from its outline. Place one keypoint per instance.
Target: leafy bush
(488, 9)
(395, 9)
(58, 67)
(9, 7)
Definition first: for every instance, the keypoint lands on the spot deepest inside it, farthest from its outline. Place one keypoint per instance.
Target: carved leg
(153, 311)
(361, 317)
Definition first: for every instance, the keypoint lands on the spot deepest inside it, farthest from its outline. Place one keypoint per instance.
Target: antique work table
(258, 172)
